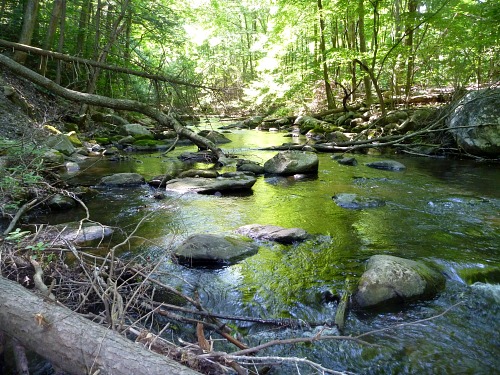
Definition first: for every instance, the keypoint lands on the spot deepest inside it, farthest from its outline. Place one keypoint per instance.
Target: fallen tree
(71, 342)
(166, 120)
(96, 64)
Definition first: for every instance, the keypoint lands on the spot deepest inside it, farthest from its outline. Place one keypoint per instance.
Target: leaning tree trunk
(120, 104)
(73, 343)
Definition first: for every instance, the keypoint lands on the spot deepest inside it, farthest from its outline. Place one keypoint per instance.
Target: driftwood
(167, 120)
(71, 342)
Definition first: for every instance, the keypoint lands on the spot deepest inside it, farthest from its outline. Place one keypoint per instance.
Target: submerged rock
(388, 165)
(355, 202)
(292, 162)
(123, 179)
(475, 122)
(238, 181)
(392, 280)
(210, 248)
(273, 233)
(76, 232)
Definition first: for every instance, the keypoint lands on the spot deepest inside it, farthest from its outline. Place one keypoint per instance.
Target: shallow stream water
(440, 211)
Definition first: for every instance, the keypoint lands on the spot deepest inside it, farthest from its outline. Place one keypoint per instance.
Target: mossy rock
(489, 275)
(102, 140)
(75, 141)
(141, 137)
(148, 142)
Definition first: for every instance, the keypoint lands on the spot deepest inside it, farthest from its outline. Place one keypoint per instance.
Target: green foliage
(20, 178)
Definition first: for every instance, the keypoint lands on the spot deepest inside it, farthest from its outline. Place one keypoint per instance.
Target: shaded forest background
(271, 56)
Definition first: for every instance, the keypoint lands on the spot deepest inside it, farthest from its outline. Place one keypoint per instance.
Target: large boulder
(236, 182)
(210, 248)
(393, 280)
(292, 162)
(475, 122)
(273, 233)
(123, 179)
(137, 131)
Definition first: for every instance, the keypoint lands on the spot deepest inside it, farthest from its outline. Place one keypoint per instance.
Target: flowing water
(441, 211)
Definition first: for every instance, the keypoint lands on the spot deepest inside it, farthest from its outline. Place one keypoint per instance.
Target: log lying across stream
(71, 342)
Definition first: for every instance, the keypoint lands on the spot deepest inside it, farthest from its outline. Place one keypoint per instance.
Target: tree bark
(119, 69)
(120, 104)
(74, 344)
(29, 22)
(322, 45)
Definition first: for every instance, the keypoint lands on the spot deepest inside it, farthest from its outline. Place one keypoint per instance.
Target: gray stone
(393, 280)
(206, 173)
(238, 182)
(388, 165)
(273, 233)
(251, 167)
(61, 143)
(214, 136)
(209, 248)
(77, 232)
(123, 179)
(348, 161)
(292, 162)
(137, 131)
(475, 122)
(61, 202)
(355, 202)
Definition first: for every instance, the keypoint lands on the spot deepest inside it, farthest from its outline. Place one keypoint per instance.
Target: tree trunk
(322, 45)
(62, 30)
(363, 49)
(71, 342)
(49, 39)
(29, 22)
(79, 60)
(120, 104)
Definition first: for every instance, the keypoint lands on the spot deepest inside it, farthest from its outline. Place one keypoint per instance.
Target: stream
(442, 211)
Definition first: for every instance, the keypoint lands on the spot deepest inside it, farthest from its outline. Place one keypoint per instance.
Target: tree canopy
(268, 55)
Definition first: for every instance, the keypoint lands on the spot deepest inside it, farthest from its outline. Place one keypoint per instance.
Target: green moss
(102, 140)
(483, 275)
(148, 142)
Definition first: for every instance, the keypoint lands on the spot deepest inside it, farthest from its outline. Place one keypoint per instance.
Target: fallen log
(167, 120)
(73, 343)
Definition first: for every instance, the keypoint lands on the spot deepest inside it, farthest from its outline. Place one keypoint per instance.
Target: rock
(253, 122)
(71, 167)
(61, 202)
(392, 280)
(292, 162)
(61, 143)
(76, 232)
(248, 166)
(137, 131)
(215, 137)
(123, 179)
(475, 122)
(388, 165)
(209, 248)
(200, 156)
(353, 201)
(126, 140)
(205, 173)
(488, 290)
(273, 233)
(348, 161)
(160, 181)
(238, 182)
(52, 156)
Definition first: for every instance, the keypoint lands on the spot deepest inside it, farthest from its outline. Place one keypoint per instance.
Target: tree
(29, 23)
(72, 343)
